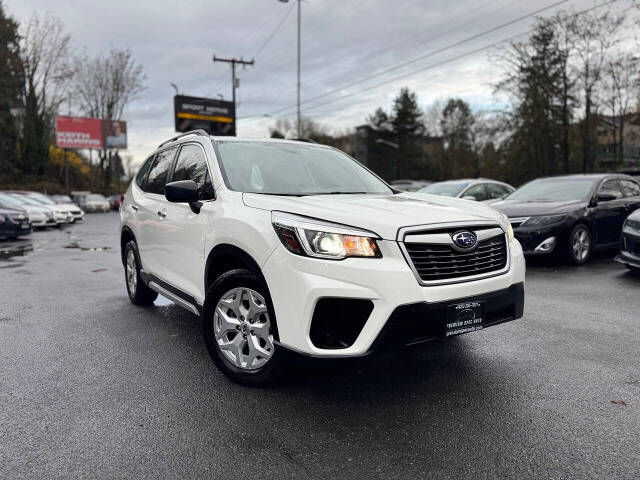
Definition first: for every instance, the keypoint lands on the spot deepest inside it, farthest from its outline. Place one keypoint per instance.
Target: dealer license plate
(464, 317)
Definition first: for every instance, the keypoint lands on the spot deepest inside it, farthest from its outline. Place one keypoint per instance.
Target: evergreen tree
(538, 83)
(10, 84)
(404, 127)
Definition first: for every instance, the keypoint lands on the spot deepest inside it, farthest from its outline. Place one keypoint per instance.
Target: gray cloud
(342, 42)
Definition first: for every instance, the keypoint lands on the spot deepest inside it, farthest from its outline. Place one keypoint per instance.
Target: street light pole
(299, 129)
(299, 22)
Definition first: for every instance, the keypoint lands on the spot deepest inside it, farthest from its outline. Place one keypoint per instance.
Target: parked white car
(61, 214)
(39, 215)
(285, 246)
(95, 202)
(75, 211)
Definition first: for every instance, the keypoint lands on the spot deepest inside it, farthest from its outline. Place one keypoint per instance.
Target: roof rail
(198, 132)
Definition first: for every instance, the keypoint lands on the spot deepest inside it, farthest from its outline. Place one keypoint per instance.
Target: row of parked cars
(572, 215)
(22, 211)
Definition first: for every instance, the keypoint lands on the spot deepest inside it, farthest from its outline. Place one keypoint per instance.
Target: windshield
(62, 199)
(42, 198)
(26, 200)
(449, 189)
(9, 201)
(291, 169)
(553, 190)
(95, 197)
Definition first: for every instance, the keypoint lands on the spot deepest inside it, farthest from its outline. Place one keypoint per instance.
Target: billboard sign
(216, 117)
(77, 132)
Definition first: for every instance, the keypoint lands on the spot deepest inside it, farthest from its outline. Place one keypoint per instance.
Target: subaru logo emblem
(465, 240)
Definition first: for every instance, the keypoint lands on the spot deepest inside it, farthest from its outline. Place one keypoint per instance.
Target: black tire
(139, 293)
(579, 256)
(271, 371)
(632, 268)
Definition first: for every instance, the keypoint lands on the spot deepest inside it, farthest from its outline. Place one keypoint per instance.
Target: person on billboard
(117, 137)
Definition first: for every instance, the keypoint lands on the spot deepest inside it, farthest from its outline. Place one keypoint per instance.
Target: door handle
(134, 208)
(162, 214)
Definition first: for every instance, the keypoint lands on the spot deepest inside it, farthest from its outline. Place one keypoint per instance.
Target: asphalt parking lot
(93, 387)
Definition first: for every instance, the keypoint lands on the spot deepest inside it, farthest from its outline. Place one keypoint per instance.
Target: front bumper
(629, 248)
(533, 237)
(11, 228)
(77, 215)
(296, 284)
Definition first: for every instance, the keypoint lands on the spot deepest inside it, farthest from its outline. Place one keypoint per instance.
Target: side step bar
(173, 297)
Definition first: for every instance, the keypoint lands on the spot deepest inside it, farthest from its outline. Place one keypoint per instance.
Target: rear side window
(477, 191)
(158, 174)
(495, 190)
(142, 174)
(611, 186)
(192, 165)
(630, 189)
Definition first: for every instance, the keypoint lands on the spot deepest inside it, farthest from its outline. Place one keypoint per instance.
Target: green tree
(535, 79)
(10, 88)
(405, 128)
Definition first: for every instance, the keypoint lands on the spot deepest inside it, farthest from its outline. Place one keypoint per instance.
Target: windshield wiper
(337, 193)
(282, 194)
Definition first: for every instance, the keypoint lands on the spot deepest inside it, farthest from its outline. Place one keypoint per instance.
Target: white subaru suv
(286, 247)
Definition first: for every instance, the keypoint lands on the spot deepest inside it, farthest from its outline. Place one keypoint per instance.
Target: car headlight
(316, 238)
(632, 224)
(544, 220)
(506, 226)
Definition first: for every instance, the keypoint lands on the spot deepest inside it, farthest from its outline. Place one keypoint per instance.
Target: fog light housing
(546, 245)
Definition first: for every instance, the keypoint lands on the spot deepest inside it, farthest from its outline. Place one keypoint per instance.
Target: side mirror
(606, 197)
(184, 191)
(469, 197)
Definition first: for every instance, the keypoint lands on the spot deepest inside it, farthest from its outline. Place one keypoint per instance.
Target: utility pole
(66, 160)
(234, 80)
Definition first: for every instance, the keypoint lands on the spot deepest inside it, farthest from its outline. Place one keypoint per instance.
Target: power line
(275, 30)
(428, 67)
(224, 83)
(430, 54)
(405, 40)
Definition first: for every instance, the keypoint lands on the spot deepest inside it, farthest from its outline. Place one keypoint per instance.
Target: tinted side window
(611, 186)
(192, 165)
(158, 174)
(142, 174)
(630, 189)
(477, 191)
(495, 190)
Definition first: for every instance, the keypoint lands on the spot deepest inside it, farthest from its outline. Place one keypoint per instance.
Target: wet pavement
(93, 387)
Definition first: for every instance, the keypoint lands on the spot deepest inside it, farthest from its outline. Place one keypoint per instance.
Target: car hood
(36, 209)
(516, 208)
(69, 206)
(12, 211)
(381, 214)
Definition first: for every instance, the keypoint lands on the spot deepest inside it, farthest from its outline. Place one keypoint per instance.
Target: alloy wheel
(581, 244)
(131, 272)
(242, 328)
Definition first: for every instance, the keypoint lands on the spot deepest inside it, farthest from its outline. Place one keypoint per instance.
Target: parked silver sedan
(482, 190)
(95, 202)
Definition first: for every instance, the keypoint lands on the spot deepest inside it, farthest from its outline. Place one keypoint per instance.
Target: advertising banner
(77, 132)
(217, 117)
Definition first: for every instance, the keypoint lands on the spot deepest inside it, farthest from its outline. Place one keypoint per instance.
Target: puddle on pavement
(87, 249)
(15, 249)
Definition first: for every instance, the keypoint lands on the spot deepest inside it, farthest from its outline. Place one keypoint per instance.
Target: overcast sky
(342, 42)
